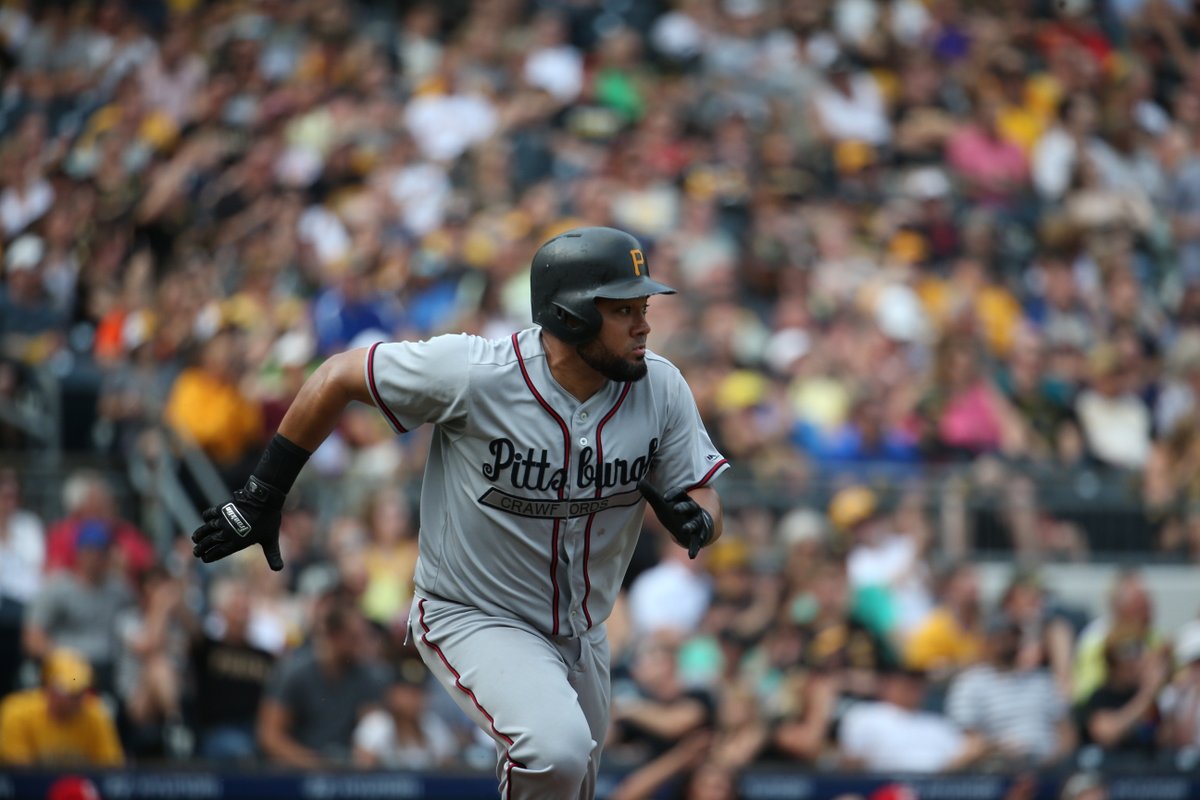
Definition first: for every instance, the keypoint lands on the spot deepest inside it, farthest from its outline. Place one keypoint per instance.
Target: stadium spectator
(1180, 699)
(894, 734)
(1121, 716)
(88, 495)
(885, 562)
(994, 171)
(1047, 627)
(30, 326)
(59, 723)
(320, 692)
(207, 407)
(652, 708)
(1019, 711)
(150, 668)
(79, 608)
(391, 557)
(22, 552)
(950, 638)
(229, 674)
(405, 733)
(1115, 422)
(1130, 613)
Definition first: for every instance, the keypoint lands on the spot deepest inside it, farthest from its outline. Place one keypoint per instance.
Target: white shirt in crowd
(668, 596)
(860, 116)
(22, 554)
(895, 562)
(888, 738)
(376, 734)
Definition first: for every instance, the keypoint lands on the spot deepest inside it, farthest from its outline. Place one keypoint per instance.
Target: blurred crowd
(939, 264)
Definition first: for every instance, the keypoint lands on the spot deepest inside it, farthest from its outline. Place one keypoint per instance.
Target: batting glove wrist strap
(281, 462)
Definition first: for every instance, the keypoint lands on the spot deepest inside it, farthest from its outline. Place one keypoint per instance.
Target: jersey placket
(588, 431)
(574, 543)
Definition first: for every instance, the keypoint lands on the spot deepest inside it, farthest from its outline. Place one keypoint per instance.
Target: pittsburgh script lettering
(617, 472)
(529, 469)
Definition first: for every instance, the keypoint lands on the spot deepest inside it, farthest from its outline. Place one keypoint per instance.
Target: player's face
(619, 351)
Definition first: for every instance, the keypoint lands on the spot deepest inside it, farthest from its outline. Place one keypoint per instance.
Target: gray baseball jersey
(529, 507)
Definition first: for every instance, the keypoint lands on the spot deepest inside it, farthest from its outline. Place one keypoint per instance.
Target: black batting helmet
(575, 268)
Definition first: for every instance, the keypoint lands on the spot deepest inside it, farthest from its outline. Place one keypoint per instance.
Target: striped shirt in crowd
(1018, 709)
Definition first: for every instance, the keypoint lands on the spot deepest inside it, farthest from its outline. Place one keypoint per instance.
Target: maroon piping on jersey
(474, 700)
(587, 531)
(566, 471)
(708, 475)
(387, 412)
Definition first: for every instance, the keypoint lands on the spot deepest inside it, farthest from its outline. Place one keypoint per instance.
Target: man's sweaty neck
(571, 372)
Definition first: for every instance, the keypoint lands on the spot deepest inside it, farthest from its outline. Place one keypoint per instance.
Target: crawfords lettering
(527, 468)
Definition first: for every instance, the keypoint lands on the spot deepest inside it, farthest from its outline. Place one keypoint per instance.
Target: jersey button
(583, 415)
(583, 441)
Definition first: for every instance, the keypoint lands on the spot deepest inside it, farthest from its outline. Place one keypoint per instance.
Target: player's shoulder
(460, 349)
(661, 370)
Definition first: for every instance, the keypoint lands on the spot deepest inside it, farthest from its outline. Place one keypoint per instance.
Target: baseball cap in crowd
(801, 525)
(25, 253)
(852, 506)
(67, 672)
(94, 534)
(1187, 643)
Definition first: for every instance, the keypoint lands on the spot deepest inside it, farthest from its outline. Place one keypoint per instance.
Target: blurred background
(939, 264)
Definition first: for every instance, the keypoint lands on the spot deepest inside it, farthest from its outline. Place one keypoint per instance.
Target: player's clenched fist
(252, 517)
(684, 519)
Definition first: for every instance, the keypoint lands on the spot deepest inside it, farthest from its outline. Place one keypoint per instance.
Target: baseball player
(545, 445)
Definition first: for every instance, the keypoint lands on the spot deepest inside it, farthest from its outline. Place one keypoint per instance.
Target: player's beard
(609, 364)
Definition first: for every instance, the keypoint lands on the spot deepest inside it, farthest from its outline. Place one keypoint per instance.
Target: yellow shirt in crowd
(29, 736)
(214, 414)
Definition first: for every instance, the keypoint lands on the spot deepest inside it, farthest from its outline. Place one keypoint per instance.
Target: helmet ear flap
(572, 326)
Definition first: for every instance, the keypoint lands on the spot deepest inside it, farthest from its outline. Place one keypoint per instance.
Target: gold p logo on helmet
(639, 261)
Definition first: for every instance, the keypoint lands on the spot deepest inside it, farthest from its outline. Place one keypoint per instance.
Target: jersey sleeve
(417, 382)
(686, 455)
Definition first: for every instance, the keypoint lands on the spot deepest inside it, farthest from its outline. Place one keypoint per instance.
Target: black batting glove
(689, 524)
(252, 517)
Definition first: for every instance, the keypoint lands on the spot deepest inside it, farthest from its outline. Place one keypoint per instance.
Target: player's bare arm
(707, 498)
(314, 413)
